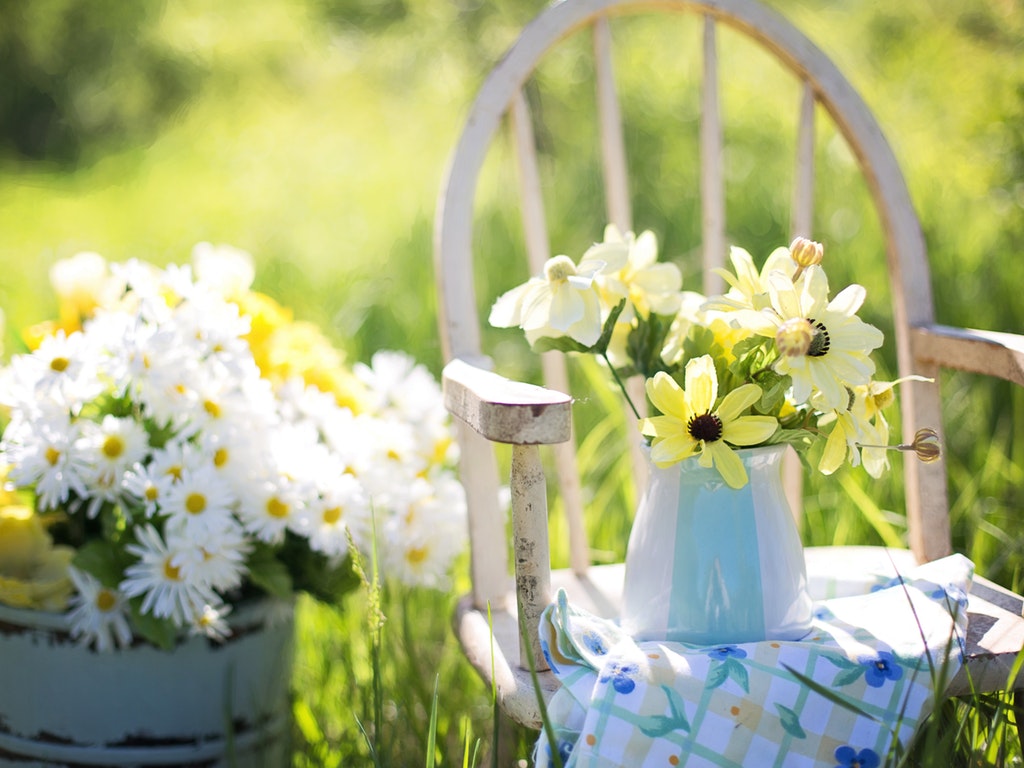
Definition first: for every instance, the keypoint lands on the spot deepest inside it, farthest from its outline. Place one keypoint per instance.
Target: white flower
(85, 282)
(199, 504)
(140, 482)
(109, 449)
(838, 357)
(158, 577)
(98, 614)
(423, 535)
(748, 288)
(562, 302)
(41, 451)
(272, 505)
(62, 370)
(211, 622)
(217, 559)
(649, 286)
(227, 270)
(398, 385)
(342, 506)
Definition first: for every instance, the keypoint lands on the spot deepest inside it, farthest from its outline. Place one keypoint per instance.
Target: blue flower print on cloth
(626, 703)
(879, 668)
(848, 757)
(622, 675)
(727, 652)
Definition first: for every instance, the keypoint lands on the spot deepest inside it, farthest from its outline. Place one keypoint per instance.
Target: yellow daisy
(691, 425)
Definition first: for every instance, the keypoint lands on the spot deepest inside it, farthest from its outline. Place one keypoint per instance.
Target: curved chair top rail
(453, 232)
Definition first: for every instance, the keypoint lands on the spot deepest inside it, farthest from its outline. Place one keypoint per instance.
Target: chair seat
(994, 636)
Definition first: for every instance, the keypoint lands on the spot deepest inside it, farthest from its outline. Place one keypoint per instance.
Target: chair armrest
(503, 410)
(966, 349)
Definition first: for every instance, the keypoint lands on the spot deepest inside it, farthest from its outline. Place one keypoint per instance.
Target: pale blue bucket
(200, 704)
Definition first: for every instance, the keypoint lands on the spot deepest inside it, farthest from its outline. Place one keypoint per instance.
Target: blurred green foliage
(315, 133)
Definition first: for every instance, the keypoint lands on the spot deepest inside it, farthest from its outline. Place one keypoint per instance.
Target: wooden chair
(489, 407)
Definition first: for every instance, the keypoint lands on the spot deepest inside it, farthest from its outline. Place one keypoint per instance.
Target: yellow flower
(33, 572)
(748, 288)
(649, 285)
(691, 425)
(838, 357)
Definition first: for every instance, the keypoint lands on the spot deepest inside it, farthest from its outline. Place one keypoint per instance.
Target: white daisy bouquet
(775, 359)
(176, 443)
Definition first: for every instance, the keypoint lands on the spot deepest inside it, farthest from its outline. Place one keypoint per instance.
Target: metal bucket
(200, 704)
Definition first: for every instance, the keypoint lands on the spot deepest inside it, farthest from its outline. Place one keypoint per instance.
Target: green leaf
(160, 632)
(738, 673)
(847, 676)
(657, 725)
(842, 662)
(601, 346)
(677, 705)
(104, 560)
(646, 342)
(268, 573)
(717, 676)
(558, 344)
(748, 358)
(790, 722)
(773, 390)
(700, 340)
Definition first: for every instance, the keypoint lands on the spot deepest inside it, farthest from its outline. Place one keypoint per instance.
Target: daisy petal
(729, 465)
(701, 384)
(749, 430)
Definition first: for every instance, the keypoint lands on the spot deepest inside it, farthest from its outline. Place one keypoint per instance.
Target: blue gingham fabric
(863, 677)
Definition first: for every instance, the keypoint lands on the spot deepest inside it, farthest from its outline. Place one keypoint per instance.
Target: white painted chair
(489, 407)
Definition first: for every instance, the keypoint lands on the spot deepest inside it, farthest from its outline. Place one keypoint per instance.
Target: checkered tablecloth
(864, 676)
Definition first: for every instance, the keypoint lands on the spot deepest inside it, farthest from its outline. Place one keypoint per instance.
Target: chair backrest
(821, 87)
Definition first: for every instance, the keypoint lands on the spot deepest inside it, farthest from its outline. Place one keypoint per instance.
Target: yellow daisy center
(59, 364)
(416, 555)
(113, 446)
(52, 456)
(220, 457)
(171, 571)
(106, 600)
(332, 515)
(277, 508)
(195, 503)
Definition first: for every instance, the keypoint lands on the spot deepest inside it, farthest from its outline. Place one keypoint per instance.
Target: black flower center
(707, 427)
(821, 341)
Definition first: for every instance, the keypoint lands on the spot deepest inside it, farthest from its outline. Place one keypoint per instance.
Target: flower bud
(794, 337)
(927, 445)
(806, 253)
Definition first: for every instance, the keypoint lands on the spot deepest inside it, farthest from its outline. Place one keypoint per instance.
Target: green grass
(315, 134)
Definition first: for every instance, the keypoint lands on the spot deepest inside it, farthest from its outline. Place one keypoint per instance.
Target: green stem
(622, 386)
